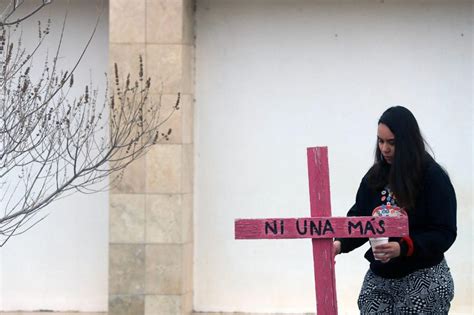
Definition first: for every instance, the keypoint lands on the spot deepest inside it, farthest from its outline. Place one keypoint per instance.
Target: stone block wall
(151, 210)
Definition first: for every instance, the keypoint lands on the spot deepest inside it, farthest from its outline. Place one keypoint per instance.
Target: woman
(410, 274)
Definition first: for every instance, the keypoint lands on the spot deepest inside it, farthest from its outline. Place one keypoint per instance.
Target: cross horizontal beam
(321, 227)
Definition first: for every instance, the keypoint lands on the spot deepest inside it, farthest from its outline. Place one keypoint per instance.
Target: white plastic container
(377, 241)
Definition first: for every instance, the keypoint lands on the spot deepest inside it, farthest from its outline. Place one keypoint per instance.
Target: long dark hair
(404, 176)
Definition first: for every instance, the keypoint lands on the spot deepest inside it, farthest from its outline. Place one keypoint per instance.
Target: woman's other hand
(336, 248)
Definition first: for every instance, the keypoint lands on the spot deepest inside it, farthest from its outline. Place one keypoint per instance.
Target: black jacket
(432, 224)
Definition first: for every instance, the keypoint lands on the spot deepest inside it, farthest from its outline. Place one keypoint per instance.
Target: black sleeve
(360, 208)
(437, 230)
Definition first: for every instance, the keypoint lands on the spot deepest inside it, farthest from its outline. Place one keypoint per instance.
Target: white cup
(376, 242)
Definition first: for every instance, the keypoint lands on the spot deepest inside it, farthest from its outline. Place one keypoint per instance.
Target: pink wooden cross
(321, 228)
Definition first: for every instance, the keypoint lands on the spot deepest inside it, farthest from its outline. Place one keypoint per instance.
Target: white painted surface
(275, 77)
(61, 264)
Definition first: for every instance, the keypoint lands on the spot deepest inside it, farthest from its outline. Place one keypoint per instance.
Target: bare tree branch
(53, 144)
(12, 6)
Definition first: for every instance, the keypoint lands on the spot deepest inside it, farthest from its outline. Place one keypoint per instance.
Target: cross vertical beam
(320, 202)
(322, 228)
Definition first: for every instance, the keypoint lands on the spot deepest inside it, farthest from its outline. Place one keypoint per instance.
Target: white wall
(61, 264)
(275, 77)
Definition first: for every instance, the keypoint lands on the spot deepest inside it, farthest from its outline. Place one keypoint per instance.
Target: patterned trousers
(425, 291)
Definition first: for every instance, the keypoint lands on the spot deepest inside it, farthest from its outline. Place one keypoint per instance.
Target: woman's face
(386, 141)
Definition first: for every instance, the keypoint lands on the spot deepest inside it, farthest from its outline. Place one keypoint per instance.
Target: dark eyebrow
(388, 140)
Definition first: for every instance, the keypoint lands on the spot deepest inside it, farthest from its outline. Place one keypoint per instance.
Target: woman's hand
(336, 248)
(385, 252)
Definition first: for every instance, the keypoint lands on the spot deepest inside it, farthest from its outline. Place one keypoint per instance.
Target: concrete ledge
(52, 313)
(242, 313)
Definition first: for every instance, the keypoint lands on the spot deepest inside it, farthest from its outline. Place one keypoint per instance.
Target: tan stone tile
(126, 269)
(163, 305)
(164, 21)
(171, 118)
(188, 303)
(187, 73)
(188, 22)
(127, 57)
(188, 268)
(164, 168)
(165, 64)
(171, 68)
(187, 225)
(126, 305)
(164, 219)
(127, 21)
(188, 168)
(127, 218)
(131, 180)
(187, 108)
(180, 120)
(164, 269)
(169, 304)
(169, 218)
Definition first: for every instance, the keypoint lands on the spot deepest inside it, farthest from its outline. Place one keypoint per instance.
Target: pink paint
(321, 228)
(320, 202)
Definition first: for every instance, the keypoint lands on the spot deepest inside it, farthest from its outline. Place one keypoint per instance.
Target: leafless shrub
(53, 144)
(9, 7)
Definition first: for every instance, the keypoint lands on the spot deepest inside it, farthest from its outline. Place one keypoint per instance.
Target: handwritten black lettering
(315, 229)
(352, 225)
(369, 227)
(327, 227)
(382, 227)
(298, 228)
(273, 228)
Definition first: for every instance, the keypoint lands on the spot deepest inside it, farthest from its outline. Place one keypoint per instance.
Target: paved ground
(49, 313)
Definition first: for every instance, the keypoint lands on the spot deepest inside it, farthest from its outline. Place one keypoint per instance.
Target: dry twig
(52, 145)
